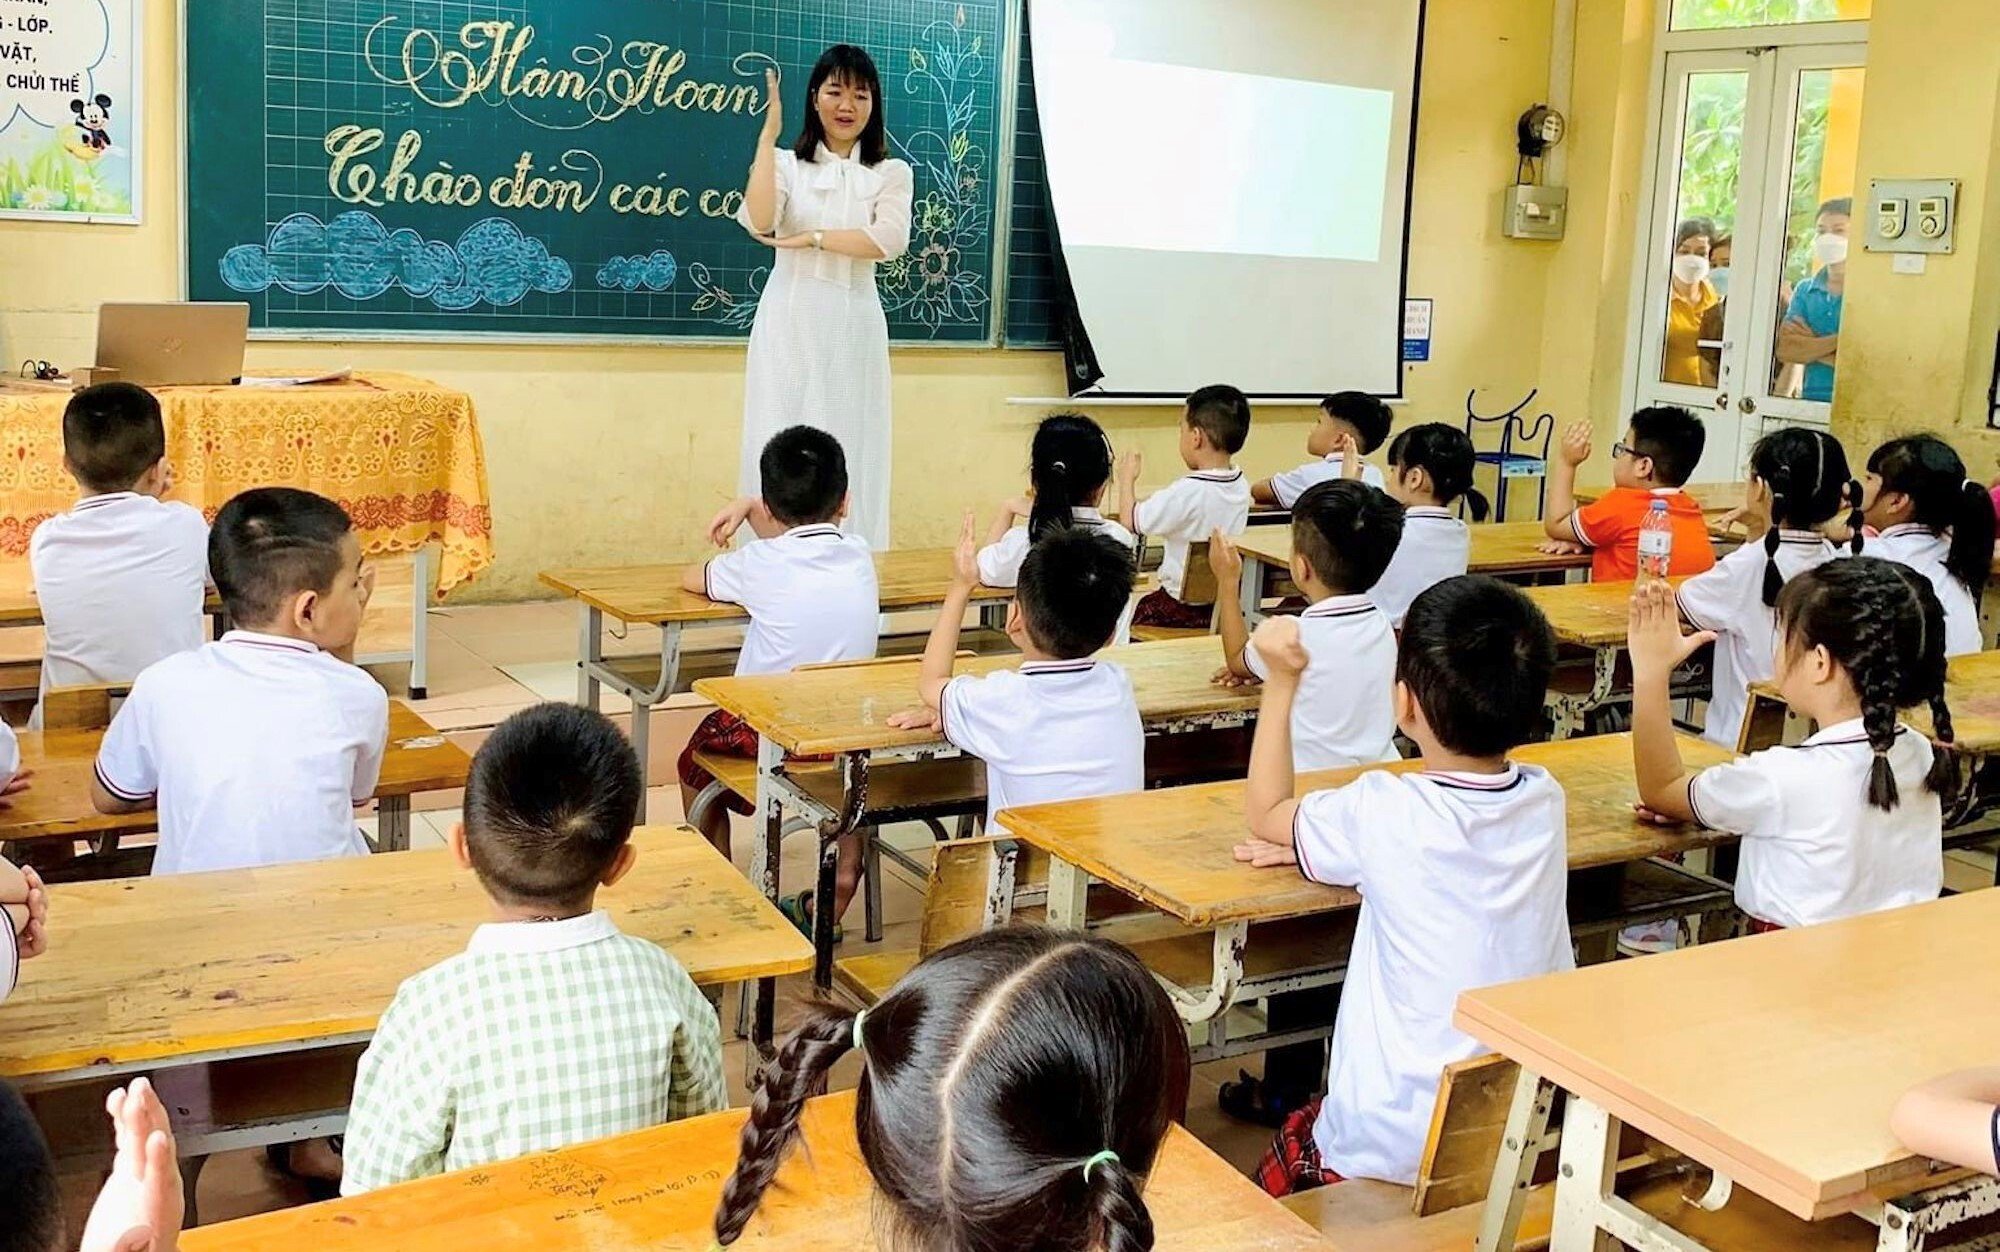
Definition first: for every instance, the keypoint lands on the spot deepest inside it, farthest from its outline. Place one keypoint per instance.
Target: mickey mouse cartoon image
(93, 124)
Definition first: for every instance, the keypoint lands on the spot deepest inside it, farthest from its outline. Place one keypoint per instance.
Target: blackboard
(558, 167)
(1031, 276)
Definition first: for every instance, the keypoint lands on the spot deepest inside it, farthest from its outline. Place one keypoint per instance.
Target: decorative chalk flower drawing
(930, 284)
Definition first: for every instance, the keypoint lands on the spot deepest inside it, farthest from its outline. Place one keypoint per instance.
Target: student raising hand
(1349, 449)
(1576, 443)
(965, 557)
(1654, 637)
(141, 1206)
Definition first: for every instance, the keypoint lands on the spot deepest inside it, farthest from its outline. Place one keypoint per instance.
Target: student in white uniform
(1065, 725)
(1430, 473)
(812, 596)
(1849, 822)
(1069, 468)
(1463, 868)
(256, 748)
(121, 576)
(1343, 535)
(1925, 513)
(24, 920)
(1212, 496)
(1351, 425)
(1799, 485)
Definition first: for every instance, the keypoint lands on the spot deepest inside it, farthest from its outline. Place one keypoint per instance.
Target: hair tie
(1058, 467)
(1106, 1157)
(859, 1018)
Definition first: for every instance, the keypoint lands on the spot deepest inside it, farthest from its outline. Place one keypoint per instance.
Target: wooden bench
(1197, 587)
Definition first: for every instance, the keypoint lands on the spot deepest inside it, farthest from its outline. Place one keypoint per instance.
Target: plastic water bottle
(1656, 543)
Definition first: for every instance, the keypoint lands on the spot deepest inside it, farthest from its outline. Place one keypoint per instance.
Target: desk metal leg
(1568, 712)
(993, 616)
(589, 655)
(1590, 1217)
(392, 824)
(1069, 895)
(420, 623)
(1251, 594)
(764, 857)
(854, 802)
(1521, 1147)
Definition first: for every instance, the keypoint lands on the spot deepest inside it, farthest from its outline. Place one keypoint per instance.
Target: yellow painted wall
(616, 454)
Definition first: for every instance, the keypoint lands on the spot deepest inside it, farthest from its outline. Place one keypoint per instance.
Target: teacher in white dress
(832, 205)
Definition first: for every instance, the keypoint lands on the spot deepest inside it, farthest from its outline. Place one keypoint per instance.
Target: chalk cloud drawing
(355, 254)
(629, 273)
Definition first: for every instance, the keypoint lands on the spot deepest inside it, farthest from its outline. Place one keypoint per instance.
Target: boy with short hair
(1212, 496)
(1463, 869)
(552, 1027)
(1351, 423)
(1344, 534)
(121, 576)
(811, 593)
(256, 748)
(1661, 448)
(1065, 725)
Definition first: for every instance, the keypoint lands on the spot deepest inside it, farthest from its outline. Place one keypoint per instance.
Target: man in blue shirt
(1810, 333)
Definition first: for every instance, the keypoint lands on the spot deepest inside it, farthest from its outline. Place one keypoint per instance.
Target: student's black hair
(1368, 416)
(553, 795)
(1882, 623)
(1843, 205)
(1070, 461)
(1445, 453)
(846, 63)
(270, 543)
(1073, 588)
(1476, 655)
(803, 474)
(112, 434)
(1807, 473)
(1222, 413)
(1942, 499)
(1348, 532)
(994, 1077)
(33, 1220)
(1673, 437)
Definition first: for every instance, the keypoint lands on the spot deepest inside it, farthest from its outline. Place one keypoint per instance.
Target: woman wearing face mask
(1692, 296)
(833, 205)
(1810, 333)
(1712, 321)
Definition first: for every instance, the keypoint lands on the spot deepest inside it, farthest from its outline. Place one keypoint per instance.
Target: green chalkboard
(558, 167)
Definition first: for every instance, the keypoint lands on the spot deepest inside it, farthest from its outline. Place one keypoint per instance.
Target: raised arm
(1575, 450)
(941, 652)
(1125, 506)
(1227, 563)
(1269, 802)
(760, 193)
(1657, 646)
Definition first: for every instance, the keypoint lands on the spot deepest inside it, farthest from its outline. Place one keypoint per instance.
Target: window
(1731, 14)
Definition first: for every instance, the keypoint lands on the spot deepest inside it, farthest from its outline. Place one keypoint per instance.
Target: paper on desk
(298, 380)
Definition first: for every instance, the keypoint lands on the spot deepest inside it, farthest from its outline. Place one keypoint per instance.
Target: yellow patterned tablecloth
(401, 455)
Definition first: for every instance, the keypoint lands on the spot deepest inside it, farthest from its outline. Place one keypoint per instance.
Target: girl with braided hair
(1799, 486)
(1922, 510)
(1850, 821)
(1015, 1089)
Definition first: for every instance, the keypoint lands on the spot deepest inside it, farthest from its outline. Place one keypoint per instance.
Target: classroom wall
(617, 453)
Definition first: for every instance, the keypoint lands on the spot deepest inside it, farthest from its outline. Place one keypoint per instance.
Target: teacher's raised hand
(774, 110)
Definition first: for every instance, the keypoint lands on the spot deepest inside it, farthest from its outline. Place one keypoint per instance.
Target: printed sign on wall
(70, 110)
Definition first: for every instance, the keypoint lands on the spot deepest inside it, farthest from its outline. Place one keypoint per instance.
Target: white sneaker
(1650, 937)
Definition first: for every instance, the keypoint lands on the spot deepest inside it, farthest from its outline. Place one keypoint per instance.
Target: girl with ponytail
(1924, 512)
(1430, 473)
(1799, 488)
(1850, 821)
(1069, 467)
(1015, 1089)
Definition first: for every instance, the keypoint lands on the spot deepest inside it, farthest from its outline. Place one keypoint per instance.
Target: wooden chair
(1197, 587)
(82, 708)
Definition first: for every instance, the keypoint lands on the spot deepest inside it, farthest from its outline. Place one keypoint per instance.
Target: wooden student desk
(1773, 1060)
(1502, 549)
(188, 968)
(843, 711)
(1587, 615)
(1173, 849)
(57, 805)
(651, 595)
(657, 1189)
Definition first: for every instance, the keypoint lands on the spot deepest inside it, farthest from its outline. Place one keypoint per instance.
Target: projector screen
(1230, 185)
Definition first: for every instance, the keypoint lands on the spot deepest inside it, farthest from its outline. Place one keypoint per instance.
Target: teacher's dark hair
(852, 66)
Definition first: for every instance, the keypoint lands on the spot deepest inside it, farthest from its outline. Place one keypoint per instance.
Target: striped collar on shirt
(531, 938)
(1901, 529)
(1341, 606)
(1804, 538)
(280, 643)
(1230, 475)
(1506, 780)
(816, 530)
(106, 500)
(1078, 666)
(1432, 512)
(1847, 732)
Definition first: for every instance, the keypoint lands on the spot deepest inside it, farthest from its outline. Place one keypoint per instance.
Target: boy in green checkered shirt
(552, 1027)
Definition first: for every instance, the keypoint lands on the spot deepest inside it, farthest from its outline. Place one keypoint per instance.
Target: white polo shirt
(1188, 510)
(1729, 600)
(120, 578)
(811, 595)
(1345, 713)
(1000, 561)
(1435, 546)
(1048, 731)
(1465, 883)
(10, 754)
(256, 747)
(1289, 485)
(1814, 849)
(1924, 550)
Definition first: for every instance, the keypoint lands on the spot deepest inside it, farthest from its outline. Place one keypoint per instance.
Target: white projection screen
(1231, 184)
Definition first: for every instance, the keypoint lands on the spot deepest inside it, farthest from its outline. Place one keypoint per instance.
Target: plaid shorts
(1292, 1164)
(724, 734)
(1161, 609)
(1758, 926)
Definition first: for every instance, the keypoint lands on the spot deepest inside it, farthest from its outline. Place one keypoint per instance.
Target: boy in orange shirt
(1662, 445)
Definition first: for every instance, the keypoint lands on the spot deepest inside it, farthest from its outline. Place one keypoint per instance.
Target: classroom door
(1753, 144)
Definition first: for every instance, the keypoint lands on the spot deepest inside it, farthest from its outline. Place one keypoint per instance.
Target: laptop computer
(166, 345)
